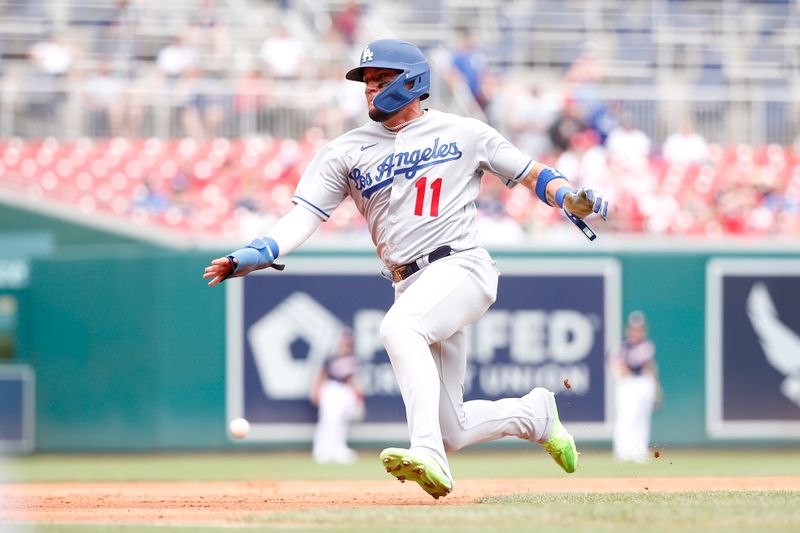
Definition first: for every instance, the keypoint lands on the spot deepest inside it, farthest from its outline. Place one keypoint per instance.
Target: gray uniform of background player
(423, 330)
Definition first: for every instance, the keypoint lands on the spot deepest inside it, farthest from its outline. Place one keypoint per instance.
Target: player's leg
(533, 417)
(464, 423)
(431, 306)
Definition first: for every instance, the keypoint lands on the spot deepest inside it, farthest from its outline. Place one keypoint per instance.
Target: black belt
(399, 273)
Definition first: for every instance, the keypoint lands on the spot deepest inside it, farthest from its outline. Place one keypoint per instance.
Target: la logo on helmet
(366, 55)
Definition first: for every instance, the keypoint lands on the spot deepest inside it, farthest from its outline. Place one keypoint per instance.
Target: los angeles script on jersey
(403, 164)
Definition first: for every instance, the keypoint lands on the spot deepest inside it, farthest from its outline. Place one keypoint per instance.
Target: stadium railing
(218, 108)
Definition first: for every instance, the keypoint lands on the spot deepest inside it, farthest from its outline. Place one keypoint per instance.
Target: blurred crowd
(205, 78)
(210, 87)
(685, 185)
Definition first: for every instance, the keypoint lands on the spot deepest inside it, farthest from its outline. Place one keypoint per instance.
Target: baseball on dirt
(239, 427)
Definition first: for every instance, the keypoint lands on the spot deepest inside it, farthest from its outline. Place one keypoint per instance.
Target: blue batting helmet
(398, 55)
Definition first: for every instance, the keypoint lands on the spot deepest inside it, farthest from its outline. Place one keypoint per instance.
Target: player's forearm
(546, 182)
(294, 228)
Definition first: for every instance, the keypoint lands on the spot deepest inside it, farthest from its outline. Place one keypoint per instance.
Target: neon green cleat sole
(407, 465)
(561, 445)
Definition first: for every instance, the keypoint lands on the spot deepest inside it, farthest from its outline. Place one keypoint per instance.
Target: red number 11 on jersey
(436, 191)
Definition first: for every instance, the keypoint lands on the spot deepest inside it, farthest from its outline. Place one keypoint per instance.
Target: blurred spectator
(685, 146)
(250, 102)
(103, 93)
(603, 119)
(52, 61)
(336, 393)
(635, 180)
(584, 74)
(470, 63)
(209, 35)
(694, 215)
(734, 203)
(250, 188)
(526, 113)
(341, 102)
(176, 58)
(628, 144)
(147, 198)
(346, 22)
(567, 124)
(586, 162)
(582, 82)
(637, 391)
(203, 104)
(787, 220)
(52, 57)
(283, 55)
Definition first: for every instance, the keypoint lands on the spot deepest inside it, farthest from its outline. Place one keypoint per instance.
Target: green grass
(532, 463)
(723, 512)
(685, 512)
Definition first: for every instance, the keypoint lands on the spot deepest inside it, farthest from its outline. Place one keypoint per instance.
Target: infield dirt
(230, 502)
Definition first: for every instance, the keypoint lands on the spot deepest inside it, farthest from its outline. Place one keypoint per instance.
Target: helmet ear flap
(394, 96)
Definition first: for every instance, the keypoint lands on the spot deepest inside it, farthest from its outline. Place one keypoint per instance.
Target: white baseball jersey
(416, 188)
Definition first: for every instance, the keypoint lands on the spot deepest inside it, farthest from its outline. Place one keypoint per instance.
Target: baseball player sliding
(414, 174)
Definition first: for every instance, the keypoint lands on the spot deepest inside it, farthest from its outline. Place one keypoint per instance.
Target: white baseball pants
(337, 406)
(635, 397)
(423, 335)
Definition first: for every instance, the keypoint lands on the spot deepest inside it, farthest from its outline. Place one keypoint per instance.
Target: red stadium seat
(208, 187)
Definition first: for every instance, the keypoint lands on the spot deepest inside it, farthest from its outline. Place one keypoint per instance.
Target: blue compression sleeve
(546, 175)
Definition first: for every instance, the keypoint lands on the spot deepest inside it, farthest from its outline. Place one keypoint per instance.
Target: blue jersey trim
(312, 206)
(523, 170)
(375, 188)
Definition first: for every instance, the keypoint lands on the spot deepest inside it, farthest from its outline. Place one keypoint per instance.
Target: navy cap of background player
(398, 55)
(637, 318)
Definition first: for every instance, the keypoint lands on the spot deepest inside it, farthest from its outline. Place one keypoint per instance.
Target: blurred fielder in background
(340, 402)
(637, 391)
(414, 174)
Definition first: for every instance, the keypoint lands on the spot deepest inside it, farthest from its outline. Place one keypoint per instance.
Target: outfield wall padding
(128, 345)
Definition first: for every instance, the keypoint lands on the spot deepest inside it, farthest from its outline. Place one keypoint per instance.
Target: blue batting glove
(260, 253)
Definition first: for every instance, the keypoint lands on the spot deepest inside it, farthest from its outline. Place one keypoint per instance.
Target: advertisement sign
(16, 408)
(551, 326)
(753, 348)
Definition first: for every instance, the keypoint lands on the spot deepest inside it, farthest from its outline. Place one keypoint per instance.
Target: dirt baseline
(211, 503)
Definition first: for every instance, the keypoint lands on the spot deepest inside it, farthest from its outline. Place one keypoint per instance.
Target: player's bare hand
(584, 202)
(219, 269)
